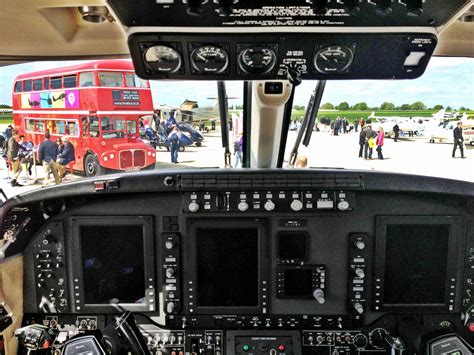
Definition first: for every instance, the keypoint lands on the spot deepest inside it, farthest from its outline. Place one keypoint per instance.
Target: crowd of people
(53, 156)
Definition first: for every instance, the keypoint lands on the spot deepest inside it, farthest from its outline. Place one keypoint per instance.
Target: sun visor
(262, 40)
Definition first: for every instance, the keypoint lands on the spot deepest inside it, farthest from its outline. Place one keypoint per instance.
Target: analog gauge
(163, 59)
(257, 60)
(333, 59)
(209, 59)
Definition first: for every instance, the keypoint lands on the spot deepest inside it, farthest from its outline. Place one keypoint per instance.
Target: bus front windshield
(117, 127)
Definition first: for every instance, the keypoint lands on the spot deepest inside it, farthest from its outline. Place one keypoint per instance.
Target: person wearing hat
(173, 139)
(66, 156)
(458, 139)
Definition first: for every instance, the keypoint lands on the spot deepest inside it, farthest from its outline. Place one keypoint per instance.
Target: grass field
(6, 119)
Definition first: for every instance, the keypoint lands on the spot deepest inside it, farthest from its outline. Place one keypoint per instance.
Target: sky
(447, 82)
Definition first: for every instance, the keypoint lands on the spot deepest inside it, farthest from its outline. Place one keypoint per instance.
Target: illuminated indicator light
(246, 347)
(46, 344)
(471, 327)
(281, 347)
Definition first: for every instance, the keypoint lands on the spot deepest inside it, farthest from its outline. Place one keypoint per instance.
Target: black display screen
(416, 259)
(292, 246)
(113, 264)
(298, 282)
(227, 262)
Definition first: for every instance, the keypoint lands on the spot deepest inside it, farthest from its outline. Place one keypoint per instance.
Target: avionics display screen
(227, 263)
(298, 283)
(113, 264)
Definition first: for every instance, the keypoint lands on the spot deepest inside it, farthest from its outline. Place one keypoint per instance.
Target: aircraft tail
(440, 114)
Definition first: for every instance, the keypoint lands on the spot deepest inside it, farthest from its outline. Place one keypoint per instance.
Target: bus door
(89, 140)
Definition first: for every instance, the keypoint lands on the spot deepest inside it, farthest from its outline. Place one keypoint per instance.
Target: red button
(470, 326)
(46, 344)
(281, 347)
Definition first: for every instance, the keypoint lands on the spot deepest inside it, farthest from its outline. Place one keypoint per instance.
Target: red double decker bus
(96, 104)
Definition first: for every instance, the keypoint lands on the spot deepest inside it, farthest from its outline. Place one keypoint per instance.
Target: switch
(320, 7)
(193, 207)
(243, 206)
(226, 7)
(414, 7)
(413, 59)
(382, 7)
(318, 294)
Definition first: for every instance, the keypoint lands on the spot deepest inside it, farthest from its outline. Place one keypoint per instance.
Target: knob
(383, 7)
(194, 7)
(352, 6)
(243, 206)
(168, 181)
(360, 244)
(358, 308)
(226, 7)
(169, 244)
(318, 294)
(360, 341)
(320, 7)
(296, 205)
(269, 205)
(48, 237)
(58, 264)
(170, 307)
(343, 206)
(414, 7)
(170, 273)
(359, 273)
(193, 207)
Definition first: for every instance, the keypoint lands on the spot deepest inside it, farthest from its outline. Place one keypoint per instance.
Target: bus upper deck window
(57, 83)
(110, 79)
(37, 84)
(70, 81)
(46, 83)
(27, 85)
(131, 80)
(86, 79)
(18, 87)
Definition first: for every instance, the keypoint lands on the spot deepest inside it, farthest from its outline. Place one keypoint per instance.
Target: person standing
(345, 124)
(47, 154)
(356, 125)
(379, 142)
(369, 142)
(26, 155)
(174, 138)
(238, 151)
(396, 131)
(337, 126)
(362, 140)
(66, 156)
(13, 155)
(361, 123)
(458, 139)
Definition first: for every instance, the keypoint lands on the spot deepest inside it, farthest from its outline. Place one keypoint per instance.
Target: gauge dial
(209, 59)
(333, 59)
(163, 59)
(257, 60)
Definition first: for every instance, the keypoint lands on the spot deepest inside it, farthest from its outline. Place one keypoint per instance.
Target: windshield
(393, 126)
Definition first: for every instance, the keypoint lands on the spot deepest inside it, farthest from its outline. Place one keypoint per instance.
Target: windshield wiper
(308, 121)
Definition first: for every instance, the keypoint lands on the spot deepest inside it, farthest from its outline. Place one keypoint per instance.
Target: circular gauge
(163, 59)
(333, 59)
(257, 60)
(209, 59)
(377, 337)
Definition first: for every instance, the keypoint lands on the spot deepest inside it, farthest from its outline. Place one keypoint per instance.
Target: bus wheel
(92, 166)
(181, 148)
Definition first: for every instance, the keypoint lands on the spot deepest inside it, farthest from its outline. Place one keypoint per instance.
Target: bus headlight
(153, 155)
(149, 153)
(112, 156)
(105, 158)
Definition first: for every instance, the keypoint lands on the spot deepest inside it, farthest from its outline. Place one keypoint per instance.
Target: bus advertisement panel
(96, 104)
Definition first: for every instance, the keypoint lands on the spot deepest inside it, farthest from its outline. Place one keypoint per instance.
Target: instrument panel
(348, 271)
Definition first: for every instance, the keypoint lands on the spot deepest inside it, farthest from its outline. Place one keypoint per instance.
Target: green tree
(360, 106)
(438, 107)
(343, 106)
(418, 106)
(405, 107)
(387, 106)
(449, 108)
(5, 106)
(327, 106)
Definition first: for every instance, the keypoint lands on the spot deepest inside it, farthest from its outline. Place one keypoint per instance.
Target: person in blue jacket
(173, 139)
(47, 153)
(66, 156)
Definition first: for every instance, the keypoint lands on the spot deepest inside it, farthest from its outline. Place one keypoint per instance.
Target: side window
(57, 83)
(86, 79)
(130, 80)
(30, 125)
(85, 126)
(73, 128)
(18, 87)
(27, 85)
(46, 83)
(140, 83)
(94, 126)
(70, 81)
(110, 79)
(37, 84)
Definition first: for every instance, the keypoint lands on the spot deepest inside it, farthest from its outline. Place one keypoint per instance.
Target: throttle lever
(397, 345)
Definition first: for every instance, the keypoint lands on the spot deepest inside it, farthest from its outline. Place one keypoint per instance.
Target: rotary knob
(194, 7)
(318, 294)
(170, 307)
(269, 205)
(358, 307)
(360, 244)
(359, 272)
(343, 206)
(193, 207)
(360, 341)
(243, 206)
(296, 205)
(170, 274)
(169, 244)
